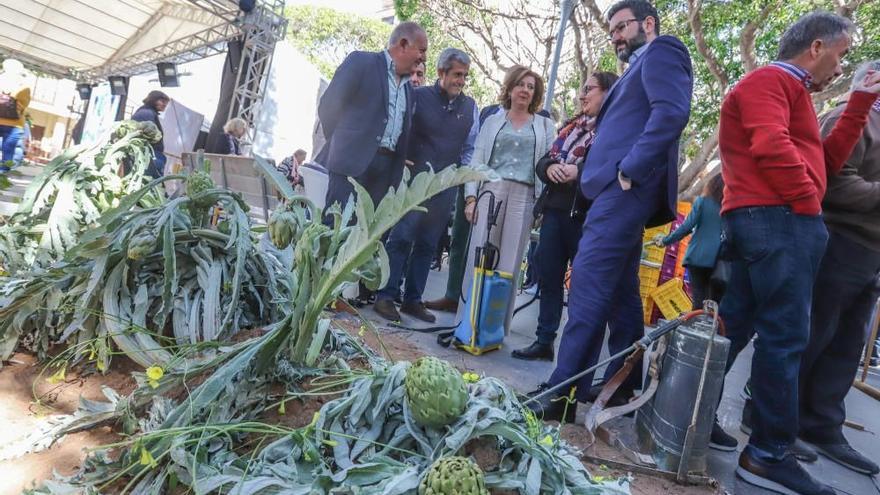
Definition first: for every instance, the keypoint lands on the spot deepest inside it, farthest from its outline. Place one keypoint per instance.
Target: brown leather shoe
(443, 304)
(386, 309)
(418, 310)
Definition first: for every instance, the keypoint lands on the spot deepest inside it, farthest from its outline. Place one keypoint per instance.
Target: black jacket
(567, 197)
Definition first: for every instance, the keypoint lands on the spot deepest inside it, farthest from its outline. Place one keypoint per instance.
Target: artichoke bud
(453, 476)
(435, 392)
(141, 244)
(197, 183)
(282, 228)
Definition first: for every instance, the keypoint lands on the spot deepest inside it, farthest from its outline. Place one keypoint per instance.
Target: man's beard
(632, 45)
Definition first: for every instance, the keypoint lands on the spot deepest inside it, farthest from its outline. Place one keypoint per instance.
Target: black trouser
(380, 175)
(557, 246)
(702, 287)
(843, 297)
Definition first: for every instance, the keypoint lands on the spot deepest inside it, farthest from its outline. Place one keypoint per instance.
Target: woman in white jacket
(511, 141)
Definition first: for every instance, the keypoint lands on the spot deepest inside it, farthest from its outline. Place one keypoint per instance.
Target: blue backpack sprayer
(482, 326)
(485, 311)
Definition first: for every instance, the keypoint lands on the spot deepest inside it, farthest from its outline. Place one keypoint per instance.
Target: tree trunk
(692, 171)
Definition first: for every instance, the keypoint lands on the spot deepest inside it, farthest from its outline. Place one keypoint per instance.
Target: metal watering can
(672, 425)
(676, 409)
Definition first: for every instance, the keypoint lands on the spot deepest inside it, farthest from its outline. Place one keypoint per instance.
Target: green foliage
(723, 23)
(325, 36)
(406, 9)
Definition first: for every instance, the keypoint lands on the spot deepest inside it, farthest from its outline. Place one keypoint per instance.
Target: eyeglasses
(587, 89)
(621, 26)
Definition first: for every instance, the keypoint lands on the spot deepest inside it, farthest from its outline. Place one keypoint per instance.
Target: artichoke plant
(435, 392)
(453, 476)
(72, 192)
(140, 269)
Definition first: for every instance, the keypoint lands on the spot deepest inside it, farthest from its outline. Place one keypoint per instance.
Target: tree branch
(846, 9)
(696, 24)
(597, 14)
(749, 33)
(578, 43)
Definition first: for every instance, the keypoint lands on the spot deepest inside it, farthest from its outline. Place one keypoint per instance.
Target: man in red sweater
(775, 166)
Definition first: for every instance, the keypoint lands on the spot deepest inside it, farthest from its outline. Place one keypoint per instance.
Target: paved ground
(525, 376)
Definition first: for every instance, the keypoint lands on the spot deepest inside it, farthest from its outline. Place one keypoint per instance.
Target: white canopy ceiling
(91, 39)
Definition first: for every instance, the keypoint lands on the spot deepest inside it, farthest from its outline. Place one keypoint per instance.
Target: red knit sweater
(771, 150)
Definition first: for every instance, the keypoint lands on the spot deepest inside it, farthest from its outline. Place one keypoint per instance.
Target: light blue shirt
(467, 151)
(513, 153)
(396, 105)
(636, 54)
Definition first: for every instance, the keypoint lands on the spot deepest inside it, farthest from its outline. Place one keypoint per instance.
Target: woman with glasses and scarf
(564, 210)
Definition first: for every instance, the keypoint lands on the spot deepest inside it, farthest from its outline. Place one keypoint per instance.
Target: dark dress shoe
(535, 352)
(720, 440)
(848, 457)
(418, 310)
(386, 309)
(443, 304)
(780, 476)
(552, 407)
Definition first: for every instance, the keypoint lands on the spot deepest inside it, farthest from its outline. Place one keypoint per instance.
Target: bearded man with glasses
(631, 176)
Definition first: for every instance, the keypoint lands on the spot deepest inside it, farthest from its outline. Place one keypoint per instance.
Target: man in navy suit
(631, 175)
(366, 114)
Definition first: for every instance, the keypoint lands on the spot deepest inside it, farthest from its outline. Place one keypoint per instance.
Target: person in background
(443, 134)
(631, 177)
(233, 131)
(563, 209)
(153, 104)
(845, 291)
(15, 96)
(775, 165)
(510, 141)
(704, 222)
(417, 77)
(289, 168)
(366, 115)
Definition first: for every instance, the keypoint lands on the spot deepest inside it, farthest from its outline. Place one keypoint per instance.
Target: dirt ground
(21, 413)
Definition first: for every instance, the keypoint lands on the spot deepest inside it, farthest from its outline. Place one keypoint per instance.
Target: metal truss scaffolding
(258, 31)
(261, 29)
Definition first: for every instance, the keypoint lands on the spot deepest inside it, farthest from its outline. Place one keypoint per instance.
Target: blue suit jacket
(354, 111)
(640, 124)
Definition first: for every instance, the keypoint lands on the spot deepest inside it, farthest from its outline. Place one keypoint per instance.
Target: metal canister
(663, 421)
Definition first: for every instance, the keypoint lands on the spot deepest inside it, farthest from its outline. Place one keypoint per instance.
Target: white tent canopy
(92, 39)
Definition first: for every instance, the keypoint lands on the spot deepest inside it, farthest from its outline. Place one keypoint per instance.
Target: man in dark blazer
(366, 114)
(631, 175)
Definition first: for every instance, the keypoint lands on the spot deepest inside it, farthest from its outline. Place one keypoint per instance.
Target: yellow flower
(101, 365)
(155, 372)
(470, 377)
(547, 441)
(147, 458)
(58, 376)
(361, 331)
